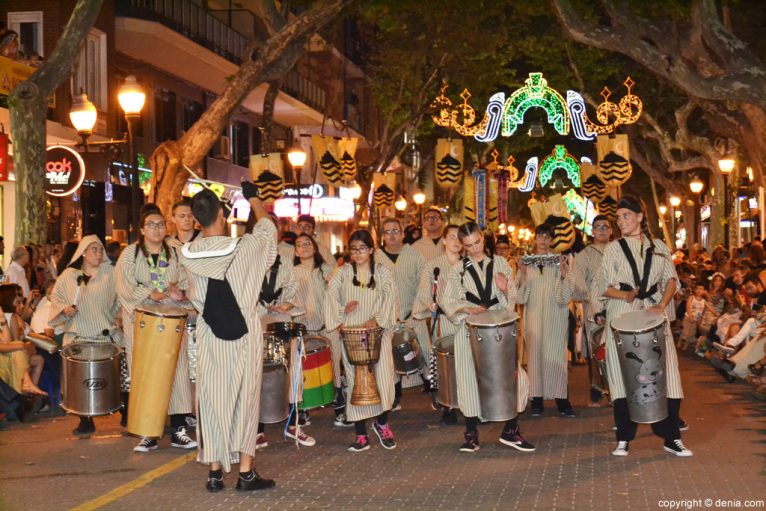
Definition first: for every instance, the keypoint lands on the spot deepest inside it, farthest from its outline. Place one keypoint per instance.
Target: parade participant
(637, 255)
(184, 222)
(311, 276)
(361, 294)
(85, 303)
(405, 264)
(473, 287)
(276, 303)
(585, 268)
(503, 246)
(429, 246)
(434, 276)
(307, 225)
(545, 291)
(225, 277)
(148, 272)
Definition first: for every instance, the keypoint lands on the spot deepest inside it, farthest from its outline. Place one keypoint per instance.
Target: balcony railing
(303, 89)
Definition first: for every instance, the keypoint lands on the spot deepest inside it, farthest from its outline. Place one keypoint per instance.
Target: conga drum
(406, 351)
(446, 372)
(318, 387)
(493, 341)
(90, 378)
(362, 347)
(157, 335)
(640, 339)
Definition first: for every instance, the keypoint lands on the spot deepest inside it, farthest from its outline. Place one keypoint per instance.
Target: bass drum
(90, 378)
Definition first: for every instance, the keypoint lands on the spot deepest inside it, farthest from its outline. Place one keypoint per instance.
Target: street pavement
(43, 467)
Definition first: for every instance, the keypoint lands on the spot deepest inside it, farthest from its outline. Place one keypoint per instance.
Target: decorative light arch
(560, 159)
(535, 93)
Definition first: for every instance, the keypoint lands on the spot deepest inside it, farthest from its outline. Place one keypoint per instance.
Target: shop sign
(64, 171)
(314, 191)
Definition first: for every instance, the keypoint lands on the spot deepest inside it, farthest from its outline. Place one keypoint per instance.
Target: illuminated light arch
(578, 116)
(495, 114)
(560, 159)
(535, 93)
(531, 175)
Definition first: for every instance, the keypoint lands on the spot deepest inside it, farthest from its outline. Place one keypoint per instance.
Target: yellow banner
(13, 73)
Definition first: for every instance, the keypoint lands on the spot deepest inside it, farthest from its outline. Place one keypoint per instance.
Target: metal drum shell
(317, 369)
(493, 338)
(408, 357)
(275, 394)
(90, 388)
(286, 330)
(446, 371)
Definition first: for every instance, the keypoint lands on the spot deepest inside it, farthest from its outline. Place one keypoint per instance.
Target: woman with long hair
(361, 295)
(148, 272)
(637, 255)
(20, 366)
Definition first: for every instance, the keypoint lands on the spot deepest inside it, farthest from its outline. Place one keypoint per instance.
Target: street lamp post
(401, 204)
(696, 185)
(419, 198)
(132, 98)
(726, 164)
(297, 158)
(674, 203)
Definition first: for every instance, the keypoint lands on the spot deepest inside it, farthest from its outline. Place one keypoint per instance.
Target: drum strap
(485, 292)
(269, 293)
(640, 283)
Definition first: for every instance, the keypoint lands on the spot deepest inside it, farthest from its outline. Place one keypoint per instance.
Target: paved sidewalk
(42, 467)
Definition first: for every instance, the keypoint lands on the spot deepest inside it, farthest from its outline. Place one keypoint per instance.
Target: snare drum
(446, 372)
(406, 351)
(275, 350)
(640, 339)
(90, 378)
(318, 388)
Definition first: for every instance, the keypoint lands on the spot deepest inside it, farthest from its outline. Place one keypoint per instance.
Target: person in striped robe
(405, 264)
(148, 272)
(585, 268)
(430, 246)
(85, 304)
(620, 293)
(545, 291)
(361, 294)
(311, 274)
(225, 278)
(306, 224)
(473, 287)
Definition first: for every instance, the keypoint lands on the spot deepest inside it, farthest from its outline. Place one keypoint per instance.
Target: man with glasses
(429, 246)
(585, 270)
(406, 264)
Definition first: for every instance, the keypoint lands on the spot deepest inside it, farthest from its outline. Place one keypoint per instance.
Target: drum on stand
(408, 358)
(90, 378)
(493, 340)
(362, 347)
(157, 335)
(640, 339)
(446, 372)
(275, 384)
(318, 387)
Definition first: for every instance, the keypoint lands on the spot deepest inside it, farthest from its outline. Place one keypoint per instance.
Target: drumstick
(435, 313)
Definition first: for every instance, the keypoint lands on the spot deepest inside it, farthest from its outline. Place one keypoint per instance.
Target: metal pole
(672, 228)
(136, 200)
(726, 209)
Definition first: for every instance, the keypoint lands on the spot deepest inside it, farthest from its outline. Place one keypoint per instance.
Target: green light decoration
(535, 94)
(144, 176)
(141, 159)
(560, 159)
(578, 205)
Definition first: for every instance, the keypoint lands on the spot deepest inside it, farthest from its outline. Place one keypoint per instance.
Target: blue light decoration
(495, 114)
(560, 159)
(535, 94)
(531, 175)
(578, 116)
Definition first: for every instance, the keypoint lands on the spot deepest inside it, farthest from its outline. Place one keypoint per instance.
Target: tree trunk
(28, 105)
(717, 211)
(269, 100)
(663, 221)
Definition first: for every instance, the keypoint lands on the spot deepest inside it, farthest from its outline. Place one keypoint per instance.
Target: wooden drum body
(362, 347)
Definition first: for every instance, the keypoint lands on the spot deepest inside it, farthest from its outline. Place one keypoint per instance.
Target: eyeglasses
(155, 225)
(432, 218)
(601, 228)
(304, 244)
(359, 250)
(392, 232)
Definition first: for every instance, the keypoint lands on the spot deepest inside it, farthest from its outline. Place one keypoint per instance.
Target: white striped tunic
(429, 249)
(546, 298)
(615, 270)
(287, 252)
(424, 297)
(132, 279)
(97, 305)
(458, 284)
(379, 303)
(229, 372)
(585, 272)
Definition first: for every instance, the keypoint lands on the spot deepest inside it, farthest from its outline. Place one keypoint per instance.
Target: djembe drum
(362, 347)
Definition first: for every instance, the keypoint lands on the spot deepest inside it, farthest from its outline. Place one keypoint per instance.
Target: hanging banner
(613, 159)
(326, 154)
(469, 198)
(503, 182)
(267, 172)
(347, 148)
(64, 171)
(4, 157)
(563, 233)
(608, 207)
(594, 189)
(449, 162)
(492, 204)
(383, 197)
(480, 204)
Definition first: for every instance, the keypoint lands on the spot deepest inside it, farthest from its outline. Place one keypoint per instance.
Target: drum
(157, 335)
(318, 387)
(191, 343)
(275, 393)
(493, 340)
(90, 378)
(600, 355)
(640, 338)
(362, 347)
(275, 350)
(446, 373)
(286, 330)
(408, 358)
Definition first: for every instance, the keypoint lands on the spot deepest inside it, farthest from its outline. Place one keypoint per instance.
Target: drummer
(311, 275)
(148, 272)
(480, 283)
(361, 295)
(434, 276)
(85, 304)
(617, 287)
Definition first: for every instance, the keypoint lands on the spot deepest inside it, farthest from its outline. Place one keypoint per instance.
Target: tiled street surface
(42, 467)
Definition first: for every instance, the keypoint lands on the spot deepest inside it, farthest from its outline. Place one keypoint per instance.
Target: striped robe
(546, 299)
(97, 305)
(379, 303)
(424, 297)
(428, 249)
(132, 278)
(585, 270)
(229, 372)
(287, 252)
(614, 270)
(458, 284)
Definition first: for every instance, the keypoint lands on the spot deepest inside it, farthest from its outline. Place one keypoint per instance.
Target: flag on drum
(318, 387)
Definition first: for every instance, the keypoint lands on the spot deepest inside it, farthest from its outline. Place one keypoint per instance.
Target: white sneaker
(146, 445)
(622, 449)
(677, 447)
(302, 438)
(181, 440)
(341, 422)
(724, 347)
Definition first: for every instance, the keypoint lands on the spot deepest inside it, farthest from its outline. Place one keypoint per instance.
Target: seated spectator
(696, 306)
(20, 366)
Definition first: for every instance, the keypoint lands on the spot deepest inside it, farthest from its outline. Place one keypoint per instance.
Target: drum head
(403, 336)
(446, 344)
(314, 344)
(637, 321)
(286, 329)
(492, 318)
(90, 351)
(163, 310)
